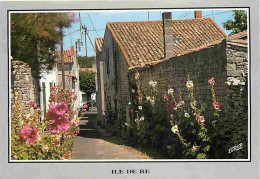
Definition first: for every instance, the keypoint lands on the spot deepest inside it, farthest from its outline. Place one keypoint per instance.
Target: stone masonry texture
(22, 82)
(237, 97)
(199, 66)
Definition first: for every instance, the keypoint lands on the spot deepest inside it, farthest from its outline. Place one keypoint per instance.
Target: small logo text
(235, 148)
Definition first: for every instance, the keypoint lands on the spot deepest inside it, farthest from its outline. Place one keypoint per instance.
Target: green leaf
(201, 156)
(206, 149)
(192, 123)
(193, 153)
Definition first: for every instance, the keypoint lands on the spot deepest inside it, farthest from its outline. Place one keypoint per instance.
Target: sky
(96, 21)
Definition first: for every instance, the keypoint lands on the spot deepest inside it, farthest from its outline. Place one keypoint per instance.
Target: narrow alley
(93, 144)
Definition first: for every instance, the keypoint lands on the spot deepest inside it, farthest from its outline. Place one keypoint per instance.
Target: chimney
(72, 51)
(197, 14)
(167, 34)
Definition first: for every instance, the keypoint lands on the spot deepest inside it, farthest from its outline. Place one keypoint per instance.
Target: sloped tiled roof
(240, 35)
(99, 42)
(141, 42)
(68, 56)
(238, 39)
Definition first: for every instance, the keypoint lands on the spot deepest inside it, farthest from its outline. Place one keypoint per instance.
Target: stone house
(71, 66)
(165, 51)
(39, 89)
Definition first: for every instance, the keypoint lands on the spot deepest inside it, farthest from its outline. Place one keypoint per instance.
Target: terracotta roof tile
(142, 41)
(239, 35)
(99, 42)
(68, 56)
(239, 39)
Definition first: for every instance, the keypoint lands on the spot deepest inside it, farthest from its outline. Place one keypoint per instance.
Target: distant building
(71, 67)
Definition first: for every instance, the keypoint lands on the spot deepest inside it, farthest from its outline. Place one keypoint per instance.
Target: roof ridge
(159, 20)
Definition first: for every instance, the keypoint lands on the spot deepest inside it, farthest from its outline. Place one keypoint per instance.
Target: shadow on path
(90, 144)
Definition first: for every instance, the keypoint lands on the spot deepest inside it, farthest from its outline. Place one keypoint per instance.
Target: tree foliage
(239, 23)
(87, 82)
(34, 37)
(86, 62)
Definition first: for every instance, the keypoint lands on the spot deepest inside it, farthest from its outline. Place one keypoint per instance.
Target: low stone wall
(22, 82)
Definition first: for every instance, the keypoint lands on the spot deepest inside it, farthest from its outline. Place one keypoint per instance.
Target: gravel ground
(90, 144)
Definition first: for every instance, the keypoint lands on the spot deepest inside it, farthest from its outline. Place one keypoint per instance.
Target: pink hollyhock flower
(22, 138)
(216, 105)
(75, 98)
(31, 103)
(71, 93)
(211, 81)
(52, 88)
(75, 133)
(51, 113)
(202, 119)
(194, 148)
(61, 108)
(63, 123)
(54, 127)
(165, 98)
(32, 135)
(25, 130)
(197, 116)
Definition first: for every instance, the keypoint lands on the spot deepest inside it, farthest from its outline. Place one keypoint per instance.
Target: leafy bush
(86, 62)
(87, 82)
(167, 124)
(115, 121)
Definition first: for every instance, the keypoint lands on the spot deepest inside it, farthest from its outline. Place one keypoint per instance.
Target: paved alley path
(90, 144)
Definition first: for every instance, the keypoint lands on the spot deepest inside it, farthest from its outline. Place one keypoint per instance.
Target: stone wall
(100, 89)
(200, 66)
(121, 79)
(237, 97)
(237, 64)
(22, 82)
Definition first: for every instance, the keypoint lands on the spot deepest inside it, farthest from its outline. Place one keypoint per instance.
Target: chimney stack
(197, 14)
(167, 34)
